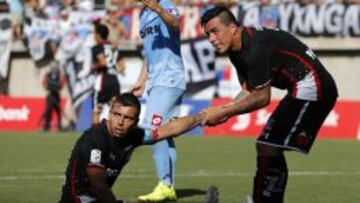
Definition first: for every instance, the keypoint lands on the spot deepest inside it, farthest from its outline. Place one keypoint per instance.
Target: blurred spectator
(269, 14)
(34, 8)
(84, 5)
(4, 6)
(116, 27)
(16, 11)
(53, 82)
(106, 61)
(306, 2)
(67, 5)
(351, 2)
(227, 3)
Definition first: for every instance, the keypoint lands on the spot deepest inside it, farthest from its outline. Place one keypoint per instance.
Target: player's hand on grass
(214, 116)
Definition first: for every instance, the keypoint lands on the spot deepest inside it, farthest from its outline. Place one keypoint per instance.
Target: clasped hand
(214, 116)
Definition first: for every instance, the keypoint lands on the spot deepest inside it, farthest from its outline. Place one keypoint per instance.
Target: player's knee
(268, 150)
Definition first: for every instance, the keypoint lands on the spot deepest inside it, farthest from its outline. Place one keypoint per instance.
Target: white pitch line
(196, 174)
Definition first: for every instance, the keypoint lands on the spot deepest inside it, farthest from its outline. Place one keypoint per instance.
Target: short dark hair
(102, 30)
(226, 16)
(127, 99)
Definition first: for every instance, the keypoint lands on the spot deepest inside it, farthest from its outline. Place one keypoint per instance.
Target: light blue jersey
(162, 49)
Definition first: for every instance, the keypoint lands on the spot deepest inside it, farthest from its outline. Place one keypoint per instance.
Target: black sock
(270, 179)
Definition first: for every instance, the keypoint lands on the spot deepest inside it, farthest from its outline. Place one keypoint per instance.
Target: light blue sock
(164, 154)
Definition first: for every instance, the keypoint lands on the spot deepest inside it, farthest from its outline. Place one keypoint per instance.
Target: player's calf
(270, 179)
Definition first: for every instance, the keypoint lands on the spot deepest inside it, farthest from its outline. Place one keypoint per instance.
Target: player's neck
(237, 39)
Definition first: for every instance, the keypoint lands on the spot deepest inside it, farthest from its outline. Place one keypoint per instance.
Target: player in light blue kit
(164, 75)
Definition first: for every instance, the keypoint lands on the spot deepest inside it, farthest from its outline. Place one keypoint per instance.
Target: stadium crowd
(23, 10)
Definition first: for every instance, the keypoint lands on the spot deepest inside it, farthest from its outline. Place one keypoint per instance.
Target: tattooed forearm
(242, 94)
(194, 121)
(246, 102)
(180, 125)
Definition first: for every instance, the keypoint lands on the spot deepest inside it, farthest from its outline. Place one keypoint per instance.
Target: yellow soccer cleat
(161, 193)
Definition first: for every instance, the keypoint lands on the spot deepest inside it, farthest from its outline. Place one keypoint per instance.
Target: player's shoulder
(97, 133)
(97, 48)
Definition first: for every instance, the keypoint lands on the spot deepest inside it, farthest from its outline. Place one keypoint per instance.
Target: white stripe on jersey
(307, 88)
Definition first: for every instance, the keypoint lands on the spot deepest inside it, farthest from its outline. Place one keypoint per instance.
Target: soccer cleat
(212, 195)
(248, 199)
(161, 193)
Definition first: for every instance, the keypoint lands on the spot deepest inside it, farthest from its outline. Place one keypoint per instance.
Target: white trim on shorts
(291, 133)
(282, 146)
(297, 121)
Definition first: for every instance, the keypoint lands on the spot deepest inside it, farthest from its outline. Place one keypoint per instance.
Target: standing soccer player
(266, 58)
(107, 62)
(165, 76)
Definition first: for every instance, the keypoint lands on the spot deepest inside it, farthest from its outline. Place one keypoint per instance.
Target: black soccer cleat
(212, 195)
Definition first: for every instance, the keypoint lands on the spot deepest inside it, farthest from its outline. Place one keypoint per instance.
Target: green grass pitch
(32, 168)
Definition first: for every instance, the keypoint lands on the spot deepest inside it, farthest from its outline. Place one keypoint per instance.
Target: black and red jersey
(106, 84)
(111, 54)
(97, 148)
(274, 57)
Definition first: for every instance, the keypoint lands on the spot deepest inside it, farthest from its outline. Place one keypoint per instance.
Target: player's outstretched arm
(176, 127)
(244, 104)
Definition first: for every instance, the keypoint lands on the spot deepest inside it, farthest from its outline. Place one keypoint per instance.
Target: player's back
(286, 61)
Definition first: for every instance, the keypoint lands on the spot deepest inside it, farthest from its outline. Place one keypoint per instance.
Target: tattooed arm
(245, 102)
(180, 126)
(242, 94)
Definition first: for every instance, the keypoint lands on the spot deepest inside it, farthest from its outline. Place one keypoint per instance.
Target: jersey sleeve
(92, 151)
(258, 72)
(150, 136)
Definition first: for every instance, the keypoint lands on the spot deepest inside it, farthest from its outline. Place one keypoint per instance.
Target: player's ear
(233, 29)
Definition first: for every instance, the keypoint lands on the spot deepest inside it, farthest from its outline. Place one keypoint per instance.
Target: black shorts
(106, 87)
(295, 123)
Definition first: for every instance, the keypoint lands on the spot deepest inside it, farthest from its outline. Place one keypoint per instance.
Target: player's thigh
(295, 124)
(161, 104)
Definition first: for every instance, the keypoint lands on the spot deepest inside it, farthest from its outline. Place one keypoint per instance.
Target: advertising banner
(22, 114)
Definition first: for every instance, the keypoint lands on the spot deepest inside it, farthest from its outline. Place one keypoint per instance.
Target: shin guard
(270, 179)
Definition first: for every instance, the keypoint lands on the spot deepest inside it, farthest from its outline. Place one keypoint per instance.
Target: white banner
(5, 44)
(307, 20)
(328, 19)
